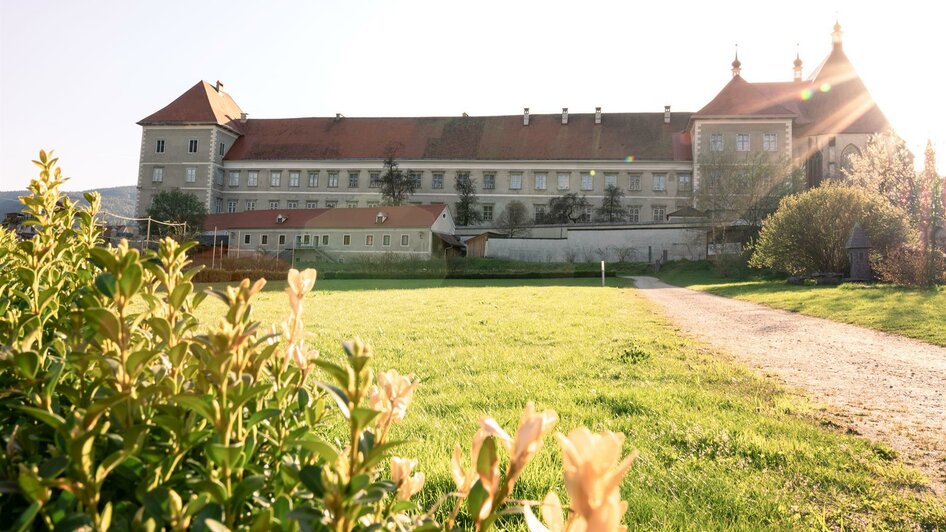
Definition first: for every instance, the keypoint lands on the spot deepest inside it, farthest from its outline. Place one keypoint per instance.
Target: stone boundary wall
(612, 245)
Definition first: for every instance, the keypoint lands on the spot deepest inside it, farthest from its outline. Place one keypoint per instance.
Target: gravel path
(883, 386)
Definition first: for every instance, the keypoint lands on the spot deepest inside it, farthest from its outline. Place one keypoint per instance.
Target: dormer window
(380, 218)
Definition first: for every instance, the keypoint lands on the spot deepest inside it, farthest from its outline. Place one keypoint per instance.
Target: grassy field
(915, 312)
(720, 448)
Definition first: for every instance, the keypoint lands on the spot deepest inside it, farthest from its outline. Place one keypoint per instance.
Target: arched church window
(847, 156)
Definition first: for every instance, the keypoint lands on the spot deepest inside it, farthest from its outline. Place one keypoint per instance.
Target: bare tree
(515, 219)
(612, 205)
(567, 208)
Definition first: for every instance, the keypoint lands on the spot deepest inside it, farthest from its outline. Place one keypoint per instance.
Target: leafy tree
(742, 188)
(177, 207)
(612, 205)
(396, 184)
(467, 213)
(566, 208)
(515, 219)
(809, 231)
(886, 167)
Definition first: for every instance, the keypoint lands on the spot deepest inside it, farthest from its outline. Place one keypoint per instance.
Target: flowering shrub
(119, 410)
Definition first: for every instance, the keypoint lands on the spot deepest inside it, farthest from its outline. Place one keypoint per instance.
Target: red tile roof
(833, 100)
(643, 136)
(406, 216)
(201, 104)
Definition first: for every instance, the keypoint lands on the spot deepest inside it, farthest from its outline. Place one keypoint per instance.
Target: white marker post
(602, 273)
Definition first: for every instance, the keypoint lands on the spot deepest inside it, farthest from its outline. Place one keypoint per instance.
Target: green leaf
(341, 398)
(197, 404)
(358, 483)
(225, 455)
(404, 506)
(245, 489)
(103, 258)
(31, 487)
(377, 453)
(361, 417)
(46, 417)
(25, 520)
(130, 279)
(476, 499)
(487, 458)
(313, 443)
(214, 488)
(74, 522)
(27, 362)
(340, 374)
(138, 359)
(265, 413)
(311, 478)
(51, 468)
(179, 295)
(104, 321)
(105, 283)
(215, 526)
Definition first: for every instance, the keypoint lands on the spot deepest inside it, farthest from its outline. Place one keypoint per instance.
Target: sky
(77, 76)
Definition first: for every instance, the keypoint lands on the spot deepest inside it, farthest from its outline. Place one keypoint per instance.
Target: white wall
(583, 245)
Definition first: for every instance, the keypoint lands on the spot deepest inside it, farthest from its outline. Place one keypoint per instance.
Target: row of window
(769, 142)
(323, 240)
(633, 213)
(192, 146)
(540, 180)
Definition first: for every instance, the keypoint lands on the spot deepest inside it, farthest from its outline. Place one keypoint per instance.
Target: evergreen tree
(467, 212)
(396, 184)
(177, 207)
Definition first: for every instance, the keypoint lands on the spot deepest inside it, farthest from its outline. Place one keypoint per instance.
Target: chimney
(597, 115)
(564, 115)
(525, 116)
(243, 118)
(219, 86)
(666, 114)
(338, 116)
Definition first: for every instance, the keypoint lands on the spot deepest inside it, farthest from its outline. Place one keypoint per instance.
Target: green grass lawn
(915, 312)
(720, 448)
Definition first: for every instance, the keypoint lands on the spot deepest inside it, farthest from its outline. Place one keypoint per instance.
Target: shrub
(809, 231)
(119, 410)
(912, 266)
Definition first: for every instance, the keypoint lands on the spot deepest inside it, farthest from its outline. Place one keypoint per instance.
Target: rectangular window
(190, 174)
(192, 146)
(159, 146)
(223, 149)
(352, 179)
(369, 240)
(333, 180)
(660, 214)
(250, 205)
(307, 240)
(610, 180)
(312, 205)
(563, 181)
(374, 180)
(331, 204)
(372, 204)
(282, 240)
(275, 178)
(273, 204)
(634, 214)
(587, 181)
(418, 178)
(218, 205)
(293, 179)
(346, 240)
(515, 181)
(252, 178)
(586, 214)
(489, 181)
(386, 240)
(351, 204)
(292, 204)
(540, 181)
(405, 240)
(324, 240)
(770, 142)
(231, 205)
(716, 142)
(686, 182)
(437, 181)
(263, 240)
(157, 175)
(219, 179)
(246, 239)
(487, 213)
(539, 213)
(660, 182)
(742, 142)
(313, 179)
(234, 179)
(634, 182)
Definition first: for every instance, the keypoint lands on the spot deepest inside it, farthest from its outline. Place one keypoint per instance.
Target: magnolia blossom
(407, 485)
(593, 474)
(392, 396)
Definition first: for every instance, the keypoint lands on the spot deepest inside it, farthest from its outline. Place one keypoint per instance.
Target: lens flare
(825, 87)
(806, 94)
(629, 158)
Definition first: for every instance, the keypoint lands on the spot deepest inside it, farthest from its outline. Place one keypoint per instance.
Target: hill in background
(115, 200)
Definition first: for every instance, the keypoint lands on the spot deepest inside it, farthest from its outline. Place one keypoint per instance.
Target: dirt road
(886, 387)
